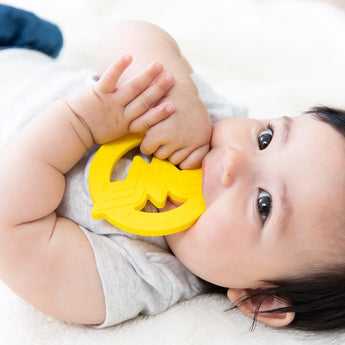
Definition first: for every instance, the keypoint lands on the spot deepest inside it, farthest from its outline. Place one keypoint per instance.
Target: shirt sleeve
(139, 278)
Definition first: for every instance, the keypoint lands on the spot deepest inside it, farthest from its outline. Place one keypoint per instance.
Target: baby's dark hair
(318, 298)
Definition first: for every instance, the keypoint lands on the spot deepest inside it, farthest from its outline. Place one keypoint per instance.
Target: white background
(277, 56)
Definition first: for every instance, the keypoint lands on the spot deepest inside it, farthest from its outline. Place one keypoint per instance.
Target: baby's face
(275, 202)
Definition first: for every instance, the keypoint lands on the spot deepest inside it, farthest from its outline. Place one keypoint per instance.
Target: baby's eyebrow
(287, 123)
(285, 206)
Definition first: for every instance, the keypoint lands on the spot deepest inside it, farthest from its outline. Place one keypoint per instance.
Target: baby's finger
(194, 160)
(149, 145)
(108, 80)
(163, 152)
(150, 96)
(151, 117)
(175, 156)
(134, 87)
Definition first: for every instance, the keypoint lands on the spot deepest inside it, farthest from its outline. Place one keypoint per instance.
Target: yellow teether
(121, 202)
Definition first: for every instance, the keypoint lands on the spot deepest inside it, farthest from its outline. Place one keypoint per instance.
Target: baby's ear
(249, 306)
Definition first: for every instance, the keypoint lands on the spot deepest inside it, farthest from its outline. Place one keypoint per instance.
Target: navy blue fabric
(22, 29)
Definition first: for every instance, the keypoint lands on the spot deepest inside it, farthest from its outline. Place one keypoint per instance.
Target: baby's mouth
(170, 204)
(174, 202)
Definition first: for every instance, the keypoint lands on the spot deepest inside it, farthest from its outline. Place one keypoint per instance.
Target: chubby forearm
(35, 161)
(63, 137)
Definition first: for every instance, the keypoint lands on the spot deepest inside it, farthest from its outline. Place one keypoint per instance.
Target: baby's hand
(184, 137)
(107, 109)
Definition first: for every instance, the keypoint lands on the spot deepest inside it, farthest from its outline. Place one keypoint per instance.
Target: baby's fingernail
(126, 58)
(169, 108)
(158, 66)
(169, 78)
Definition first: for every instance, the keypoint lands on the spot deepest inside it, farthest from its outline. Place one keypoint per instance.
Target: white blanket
(277, 56)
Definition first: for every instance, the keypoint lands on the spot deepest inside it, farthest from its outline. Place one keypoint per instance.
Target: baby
(271, 232)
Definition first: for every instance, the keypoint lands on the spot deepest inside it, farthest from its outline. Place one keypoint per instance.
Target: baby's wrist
(80, 126)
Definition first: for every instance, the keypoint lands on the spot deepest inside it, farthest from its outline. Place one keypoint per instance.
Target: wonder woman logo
(121, 202)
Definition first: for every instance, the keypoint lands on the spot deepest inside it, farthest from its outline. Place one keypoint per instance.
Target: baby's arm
(184, 137)
(46, 259)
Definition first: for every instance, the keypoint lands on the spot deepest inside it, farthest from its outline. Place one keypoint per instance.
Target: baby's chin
(169, 205)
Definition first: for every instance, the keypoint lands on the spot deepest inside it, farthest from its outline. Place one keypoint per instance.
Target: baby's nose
(233, 163)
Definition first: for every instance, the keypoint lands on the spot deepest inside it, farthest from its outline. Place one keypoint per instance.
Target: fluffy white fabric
(277, 56)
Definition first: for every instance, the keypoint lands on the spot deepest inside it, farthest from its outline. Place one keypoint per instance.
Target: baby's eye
(265, 138)
(264, 204)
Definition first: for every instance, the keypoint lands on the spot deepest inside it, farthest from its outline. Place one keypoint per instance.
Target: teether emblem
(121, 202)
